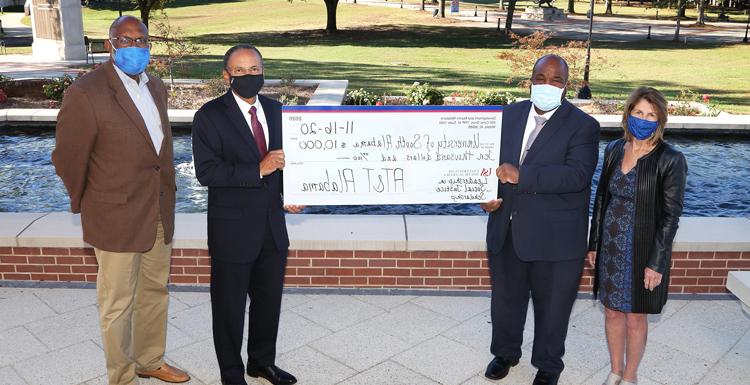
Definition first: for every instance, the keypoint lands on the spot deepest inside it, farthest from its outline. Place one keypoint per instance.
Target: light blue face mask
(546, 97)
(131, 60)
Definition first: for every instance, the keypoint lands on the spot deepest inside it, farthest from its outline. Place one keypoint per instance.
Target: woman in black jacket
(638, 205)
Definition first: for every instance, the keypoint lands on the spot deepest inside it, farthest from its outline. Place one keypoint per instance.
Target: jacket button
(157, 168)
(161, 193)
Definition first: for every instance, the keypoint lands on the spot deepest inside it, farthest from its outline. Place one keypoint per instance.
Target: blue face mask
(546, 97)
(132, 60)
(641, 128)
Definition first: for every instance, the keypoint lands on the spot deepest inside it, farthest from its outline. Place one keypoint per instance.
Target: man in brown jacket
(114, 154)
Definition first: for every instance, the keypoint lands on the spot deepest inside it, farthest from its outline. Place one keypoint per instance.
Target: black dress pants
(262, 279)
(553, 287)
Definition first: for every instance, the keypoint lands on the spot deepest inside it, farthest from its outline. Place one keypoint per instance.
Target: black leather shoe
(272, 373)
(546, 378)
(498, 368)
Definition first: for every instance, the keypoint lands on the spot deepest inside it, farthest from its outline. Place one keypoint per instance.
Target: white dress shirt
(144, 102)
(530, 124)
(245, 109)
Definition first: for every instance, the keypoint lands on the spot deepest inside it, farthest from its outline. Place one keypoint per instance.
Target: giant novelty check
(354, 155)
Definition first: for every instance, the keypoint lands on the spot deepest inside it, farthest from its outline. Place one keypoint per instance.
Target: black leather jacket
(660, 191)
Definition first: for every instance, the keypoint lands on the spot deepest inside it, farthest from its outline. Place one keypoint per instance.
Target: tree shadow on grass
(385, 78)
(413, 36)
(396, 35)
(622, 89)
(128, 5)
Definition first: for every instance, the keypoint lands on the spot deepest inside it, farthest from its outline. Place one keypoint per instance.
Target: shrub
(216, 87)
(288, 100)
(4, 78)
(423, 94)
(56, 89)
(360, 97)
(494, 98)
(158, 66)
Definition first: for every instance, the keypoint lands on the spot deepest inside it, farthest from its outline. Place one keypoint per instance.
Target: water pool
(718, 178)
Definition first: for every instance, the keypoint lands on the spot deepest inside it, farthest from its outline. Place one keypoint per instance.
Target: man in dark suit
(536, 233)
(238, 155)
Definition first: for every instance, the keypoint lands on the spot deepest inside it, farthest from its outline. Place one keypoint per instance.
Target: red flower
(378, 103)
(3, 96)
(706, 98)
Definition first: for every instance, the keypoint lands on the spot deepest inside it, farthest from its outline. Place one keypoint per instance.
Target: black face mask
(246, 86)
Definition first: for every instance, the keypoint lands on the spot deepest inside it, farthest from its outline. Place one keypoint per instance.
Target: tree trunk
(608, 11)
(145, 11)
(509, 17)
(701, 12)
(331, 12)
(442, 8)
(422, 7)
(677, 28)
(571, 6)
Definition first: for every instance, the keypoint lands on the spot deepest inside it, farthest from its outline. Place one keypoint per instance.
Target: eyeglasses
(124, 41)
(240, 71)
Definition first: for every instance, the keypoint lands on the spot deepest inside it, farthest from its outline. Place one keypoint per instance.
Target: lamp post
(747, 26)
(119, 8)
(588, 45)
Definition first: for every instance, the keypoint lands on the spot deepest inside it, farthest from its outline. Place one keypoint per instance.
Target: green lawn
(384, 50)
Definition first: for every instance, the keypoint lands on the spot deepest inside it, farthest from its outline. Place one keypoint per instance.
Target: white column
(58, 30)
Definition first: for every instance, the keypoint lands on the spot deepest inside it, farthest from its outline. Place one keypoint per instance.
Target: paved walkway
(51, 336)
(576, 27)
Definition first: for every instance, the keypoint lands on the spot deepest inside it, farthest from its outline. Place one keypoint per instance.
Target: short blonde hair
(657, 101)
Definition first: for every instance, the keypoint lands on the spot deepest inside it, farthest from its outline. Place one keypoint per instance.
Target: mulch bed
(28, 94)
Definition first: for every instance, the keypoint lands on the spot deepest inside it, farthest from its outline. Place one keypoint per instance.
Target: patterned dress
(616, 254)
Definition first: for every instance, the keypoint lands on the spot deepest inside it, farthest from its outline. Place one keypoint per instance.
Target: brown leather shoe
(166, 373)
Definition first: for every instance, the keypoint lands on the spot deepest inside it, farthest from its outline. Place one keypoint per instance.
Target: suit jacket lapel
(126, 102)
(513, 135)
(163, 115)
(238, 121)
(274, 140)
(553, 125)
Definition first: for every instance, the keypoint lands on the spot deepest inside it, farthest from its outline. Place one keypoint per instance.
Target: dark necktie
(260, 137)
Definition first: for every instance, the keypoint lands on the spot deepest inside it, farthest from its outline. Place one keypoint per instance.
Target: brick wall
(692, 272)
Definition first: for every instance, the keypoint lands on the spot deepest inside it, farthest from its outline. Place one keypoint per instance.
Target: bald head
(550, 69)
(127, 23)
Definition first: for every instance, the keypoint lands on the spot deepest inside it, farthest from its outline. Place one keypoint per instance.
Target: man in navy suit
(537, 229)
(238, 155)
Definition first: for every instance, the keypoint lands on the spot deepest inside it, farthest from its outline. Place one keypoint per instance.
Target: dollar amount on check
(356, 155)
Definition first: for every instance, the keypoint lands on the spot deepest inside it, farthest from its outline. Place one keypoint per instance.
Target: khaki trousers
(132, 294)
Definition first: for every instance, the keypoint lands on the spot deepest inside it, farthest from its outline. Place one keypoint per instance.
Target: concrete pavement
(51, 336)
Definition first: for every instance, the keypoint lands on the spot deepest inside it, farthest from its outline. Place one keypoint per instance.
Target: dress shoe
(546, 378)
(272, 373)
(166, 373)
(498, 368)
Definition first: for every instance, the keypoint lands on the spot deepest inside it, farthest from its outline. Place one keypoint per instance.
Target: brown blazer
(108, 163)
